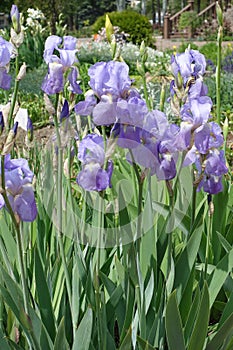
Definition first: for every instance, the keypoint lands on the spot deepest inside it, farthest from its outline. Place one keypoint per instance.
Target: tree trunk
(143, 7)
(159, 12)
(120, 4)
(153, 10)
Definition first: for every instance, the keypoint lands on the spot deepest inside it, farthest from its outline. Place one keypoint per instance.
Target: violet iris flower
(189, 63)
(93, 176)
(110, 83)
(15, 18)
(59, 60)
(215, 167)
(18, 184)
(67, 52)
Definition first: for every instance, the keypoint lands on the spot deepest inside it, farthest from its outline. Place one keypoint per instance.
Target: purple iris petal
(183, 136)
(67, 57)
(65, 111)
(215, 163)
(182, 63)
(131, 111)
(6, 51)
(128, 136)
(197, 111)
(85, 108)
(104, 113)
(145, 155)
(69, 42)
(5, 79)
(25, 205)
(201, 138)
(73, 77)
(91, 149)
(109, 78)
(211, 184)
(191, 156)
(156, 124)
(53, 82)
(216, 137)
(198, 59)
(198, 89)
(93, 178)
(51, 43)
(167, 167)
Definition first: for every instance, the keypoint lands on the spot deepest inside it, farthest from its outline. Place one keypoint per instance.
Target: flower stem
(218, 74)
(59, 182)
(15, 93)
(208, 237)
(101, 336)
(193, 213)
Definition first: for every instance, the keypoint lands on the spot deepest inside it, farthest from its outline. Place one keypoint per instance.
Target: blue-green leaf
(174, 331)
(199, 333)
(83, 334)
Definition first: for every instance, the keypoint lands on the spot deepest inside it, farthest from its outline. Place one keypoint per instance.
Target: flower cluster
(154, 143)
(113, 101)
(19, 189)
(59, 64)
(198, 136)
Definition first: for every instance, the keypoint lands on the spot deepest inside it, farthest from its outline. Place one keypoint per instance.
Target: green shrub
(209, 50)
(185, 45)
(188, 18)
(130, 22)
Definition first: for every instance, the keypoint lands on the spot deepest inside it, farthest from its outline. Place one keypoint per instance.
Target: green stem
(101, 338)
(218, 74)
(59, 203)
(208, 238)
(56, 122)
(59, 230)
(193, 214)
(15, 93)
(170, 217)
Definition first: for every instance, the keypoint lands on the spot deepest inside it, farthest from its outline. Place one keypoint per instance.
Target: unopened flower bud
(65, 111)
(220, 34)
(16, 39)
(162, 98)
(1, 123)
(142, 48)
(48, 105)
(143, 52)
(109, 28)
(15, 17)
(219, 14)
(179, 81)
(10, 140)
(225, 128)
(140, 69)
(29, 129)
(22, 72)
